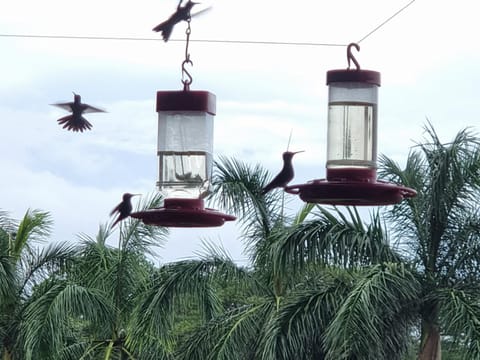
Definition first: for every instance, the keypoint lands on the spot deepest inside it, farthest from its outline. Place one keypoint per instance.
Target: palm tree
(196, 283)
(430, 285)
(308, 266)
(187, 284)
(23, 266)
(441, 230)
(341, 260)
(326, 284)
(255, 327)
(87, 313)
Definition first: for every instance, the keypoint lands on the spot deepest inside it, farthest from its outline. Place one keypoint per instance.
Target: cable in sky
(386, 21)
(249, 42)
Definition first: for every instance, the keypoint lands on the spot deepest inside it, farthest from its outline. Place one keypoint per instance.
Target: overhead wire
(253, 42)
(248, 42)
(385, 21)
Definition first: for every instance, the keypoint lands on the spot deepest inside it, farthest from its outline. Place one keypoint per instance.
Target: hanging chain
(186, 77)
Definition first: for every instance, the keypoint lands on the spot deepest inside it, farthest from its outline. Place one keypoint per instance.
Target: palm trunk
(431, 344)
(6, 355)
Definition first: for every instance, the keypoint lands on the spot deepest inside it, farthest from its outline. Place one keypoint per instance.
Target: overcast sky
(428, 56)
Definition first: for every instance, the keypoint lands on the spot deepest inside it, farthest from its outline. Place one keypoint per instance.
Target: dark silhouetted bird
(181, 14)
(124, 208)
(75, 121)
(285, 175)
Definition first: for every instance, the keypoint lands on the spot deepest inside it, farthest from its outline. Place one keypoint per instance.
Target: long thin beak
(296, 152)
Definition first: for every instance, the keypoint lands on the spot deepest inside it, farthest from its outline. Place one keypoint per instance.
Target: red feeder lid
(362, 76)
(322, 191)
(186, 100)
(183, 213)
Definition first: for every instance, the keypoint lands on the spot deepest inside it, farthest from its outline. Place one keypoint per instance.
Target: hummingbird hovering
(285, 175)
(75, 121)
(181, 14)
(124, 208)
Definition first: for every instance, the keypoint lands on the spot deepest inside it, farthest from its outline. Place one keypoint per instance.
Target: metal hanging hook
(350, 57)
(186, 82)
(185, 73)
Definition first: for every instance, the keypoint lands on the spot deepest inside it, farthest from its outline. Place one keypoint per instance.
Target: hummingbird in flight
(181, 14)
(123, 209)
(76, 122)
(285, 175)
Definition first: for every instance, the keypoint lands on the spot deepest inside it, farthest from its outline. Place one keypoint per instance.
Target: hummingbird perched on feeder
(75, 121)
(285, 175)
(181, 14)
(124, 208)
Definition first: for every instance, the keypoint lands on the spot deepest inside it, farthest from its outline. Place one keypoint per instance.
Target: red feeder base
(183, 213)
(322, 191)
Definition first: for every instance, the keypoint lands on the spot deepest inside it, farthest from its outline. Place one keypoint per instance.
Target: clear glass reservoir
(185, 143)
(352, 123)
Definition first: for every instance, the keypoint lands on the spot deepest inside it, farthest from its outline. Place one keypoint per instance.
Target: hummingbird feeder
(351, 169)
(185, 155)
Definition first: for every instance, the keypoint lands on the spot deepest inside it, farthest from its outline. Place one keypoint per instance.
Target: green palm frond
(129, 275)
(233, 335)
(57, 306)
(123, 268)
(119, 273)
(304, 212)
(460, 317)
(8, 273)
(238, 188)
(41, 263)
(8, 279)
(297, 330)
(7, 224)
(34, 227)
(93, 268)
(333, 238)
(459, 253)
(446, 177)
(243, 279)
(407, 218)
(181, 284)
(135, 236)
(376, 318)
(156, 350)
(74, 351)
(211, 250)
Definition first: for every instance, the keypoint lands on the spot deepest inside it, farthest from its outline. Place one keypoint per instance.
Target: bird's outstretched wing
(121, 214)
(91, 109)
(65, 106)
(117, 209)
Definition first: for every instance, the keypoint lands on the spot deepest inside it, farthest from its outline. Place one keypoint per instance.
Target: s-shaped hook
(350, 57)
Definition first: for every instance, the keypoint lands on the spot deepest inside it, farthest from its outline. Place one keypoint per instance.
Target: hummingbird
(181, 14)
(285, 175)
(75, 121)
(124, 208)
